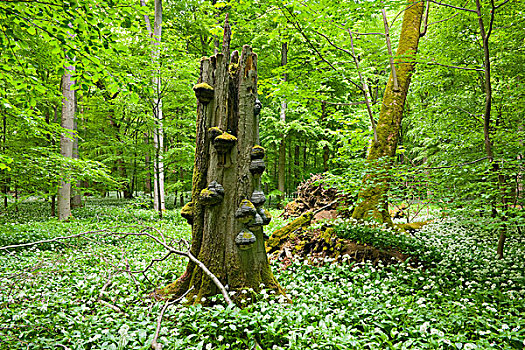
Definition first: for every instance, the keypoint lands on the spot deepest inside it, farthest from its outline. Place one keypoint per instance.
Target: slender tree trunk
(158, 132)
(372, 199)
(297, 163)
(326, 148)
(76, 199)
(281, 172)
(5, 177)
(66, 143)
(485, 35)
(147, 163)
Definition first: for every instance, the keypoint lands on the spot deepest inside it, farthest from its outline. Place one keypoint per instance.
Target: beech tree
(372, 199)
(158, 132)
(66, 143)
(226, 210)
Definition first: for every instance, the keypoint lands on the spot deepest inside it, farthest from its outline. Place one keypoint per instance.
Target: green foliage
(465, 299)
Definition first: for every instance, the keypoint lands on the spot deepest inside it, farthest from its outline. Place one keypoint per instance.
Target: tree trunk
(281, 172)
(487, 86)
(372, 199)
(5, 177)
(76, 199)
(158, 132)
(66, 143)
(227, 234)
(147, 164)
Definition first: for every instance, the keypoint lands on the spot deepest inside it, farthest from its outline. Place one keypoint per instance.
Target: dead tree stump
(226, 210)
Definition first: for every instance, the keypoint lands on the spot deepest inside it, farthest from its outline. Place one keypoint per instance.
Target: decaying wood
(313, 195)
(226, 115)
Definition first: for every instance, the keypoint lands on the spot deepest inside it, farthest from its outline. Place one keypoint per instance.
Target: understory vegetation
(87, 292)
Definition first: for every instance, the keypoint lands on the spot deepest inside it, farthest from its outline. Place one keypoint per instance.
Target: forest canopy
(382, 130)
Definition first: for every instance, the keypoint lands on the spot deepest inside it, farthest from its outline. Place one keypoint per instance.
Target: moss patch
(413, 226)
(280, 236)
(204, 86)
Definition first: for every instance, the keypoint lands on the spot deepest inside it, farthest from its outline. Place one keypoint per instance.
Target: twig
(454, 7)
(325, 207)
(452, 166)
(448, 66)
(56, 239)
(154, 344)
(364, 88)
(339, 103)
(390, 54)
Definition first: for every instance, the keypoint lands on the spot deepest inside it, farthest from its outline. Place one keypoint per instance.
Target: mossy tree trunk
(226, 208)
(372, 201)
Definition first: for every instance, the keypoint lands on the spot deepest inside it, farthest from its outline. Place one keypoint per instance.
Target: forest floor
(88, 292)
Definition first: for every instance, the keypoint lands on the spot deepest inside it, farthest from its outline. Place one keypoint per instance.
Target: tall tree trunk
(147, 164)
(226, 207)
(158, 132)
(372, 199)
(326, 148)
(66, 143)
(76, 199)
(281, 172)
(485, 35)
(5, 177)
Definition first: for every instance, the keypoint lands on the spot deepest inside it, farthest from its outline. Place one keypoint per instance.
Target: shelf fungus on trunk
(187, 212)
(257, 107)
(245, 239)
(214, 194)
(257, 166)
(224, 142)
(257, 152)
(257, 221)
(246, 211)
(265, 215)
(204, 92)
(258, 198)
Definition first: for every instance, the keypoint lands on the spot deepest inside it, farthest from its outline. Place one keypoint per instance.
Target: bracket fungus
(187, 212)
(257, 152)
(245, 239)
(257, 166)
(265, 215)
(214, 132)
(257, 221)
(257, 107)
(258, 198)
(246, 211)
(204, 92)
(213, 194)
(224, 142)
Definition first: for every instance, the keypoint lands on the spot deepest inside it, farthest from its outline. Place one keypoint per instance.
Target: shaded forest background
(319, 62)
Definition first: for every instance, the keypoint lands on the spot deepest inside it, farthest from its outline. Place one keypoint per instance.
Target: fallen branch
(154, 344)
(56, 239)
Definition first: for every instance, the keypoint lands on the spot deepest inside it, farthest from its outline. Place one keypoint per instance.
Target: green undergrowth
(456, 295)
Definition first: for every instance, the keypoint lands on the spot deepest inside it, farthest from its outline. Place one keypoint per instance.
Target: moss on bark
(286, 233)
(372, 200)
(214, 229)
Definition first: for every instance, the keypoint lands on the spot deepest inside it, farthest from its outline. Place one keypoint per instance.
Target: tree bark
(66, 143)
(372, 200)
(76, 199)
(230, 115)
(487, 86)
(158, 132)
(281, 172)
